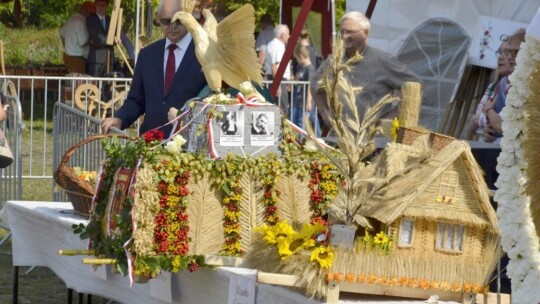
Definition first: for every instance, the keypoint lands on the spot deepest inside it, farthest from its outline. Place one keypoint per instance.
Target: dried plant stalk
(354, 137)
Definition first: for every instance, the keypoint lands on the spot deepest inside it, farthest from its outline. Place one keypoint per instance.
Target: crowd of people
(379, 73)
(84, 37)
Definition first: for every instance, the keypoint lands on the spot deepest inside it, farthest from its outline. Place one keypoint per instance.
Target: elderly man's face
(354, 37)
(174, 31)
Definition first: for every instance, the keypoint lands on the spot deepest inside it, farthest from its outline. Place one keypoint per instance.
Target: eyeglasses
(507, 53)
(165, 21)
(348, 32)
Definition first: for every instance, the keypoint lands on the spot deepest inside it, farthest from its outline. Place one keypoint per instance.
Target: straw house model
(440, 218)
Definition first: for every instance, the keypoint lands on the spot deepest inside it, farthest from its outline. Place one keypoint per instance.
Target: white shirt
(274, 52)
(75, 36)
(179, 52)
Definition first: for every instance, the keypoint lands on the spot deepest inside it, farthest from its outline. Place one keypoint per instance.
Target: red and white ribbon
(210, 136)
(252, 101)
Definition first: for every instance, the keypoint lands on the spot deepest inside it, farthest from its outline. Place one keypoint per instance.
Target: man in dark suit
(149, 93)
(100, 55)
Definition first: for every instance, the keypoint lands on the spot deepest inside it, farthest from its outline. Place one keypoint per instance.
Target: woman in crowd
(486, 122)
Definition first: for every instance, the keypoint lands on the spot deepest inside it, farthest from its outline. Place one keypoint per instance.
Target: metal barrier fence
(10, 177)
(71, 126)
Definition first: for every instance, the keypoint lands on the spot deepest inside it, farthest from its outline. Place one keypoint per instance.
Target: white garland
(518, 234)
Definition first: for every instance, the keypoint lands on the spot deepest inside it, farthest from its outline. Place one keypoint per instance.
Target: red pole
(370, 8)
(304, 11)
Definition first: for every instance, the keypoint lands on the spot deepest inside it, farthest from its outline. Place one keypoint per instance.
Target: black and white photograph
(262, 128)
(231, 127)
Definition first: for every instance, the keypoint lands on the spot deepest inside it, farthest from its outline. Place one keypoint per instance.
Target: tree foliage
(267, 6)
(54, 13)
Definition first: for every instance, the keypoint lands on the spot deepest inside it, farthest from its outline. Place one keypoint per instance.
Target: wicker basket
(79, 191)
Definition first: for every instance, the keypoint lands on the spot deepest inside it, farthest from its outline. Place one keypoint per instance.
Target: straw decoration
(409, 107)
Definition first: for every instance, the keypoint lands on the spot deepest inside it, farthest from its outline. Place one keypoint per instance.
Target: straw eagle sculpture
(226, 51)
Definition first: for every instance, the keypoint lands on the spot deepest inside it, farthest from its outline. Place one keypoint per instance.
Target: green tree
(265, 6)
(39, 13)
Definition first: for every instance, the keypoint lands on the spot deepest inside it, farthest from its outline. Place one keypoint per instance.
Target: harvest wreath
(166, 217)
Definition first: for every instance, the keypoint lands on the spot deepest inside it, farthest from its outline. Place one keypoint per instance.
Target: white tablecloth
(40, 229)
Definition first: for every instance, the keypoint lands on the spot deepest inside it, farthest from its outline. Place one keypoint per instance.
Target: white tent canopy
(436, 38)
(393, 20)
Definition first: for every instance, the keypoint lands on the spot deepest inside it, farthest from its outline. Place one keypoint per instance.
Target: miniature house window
(406, 233)
(448, 184)
(449, 237)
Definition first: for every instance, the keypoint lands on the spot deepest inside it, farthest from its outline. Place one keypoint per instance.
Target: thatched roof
(414, 193)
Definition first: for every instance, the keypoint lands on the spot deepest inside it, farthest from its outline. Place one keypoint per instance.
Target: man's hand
(172, 113)
(107, 123)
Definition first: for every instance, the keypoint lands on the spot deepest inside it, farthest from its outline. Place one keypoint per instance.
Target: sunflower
(309, 232)
(284, 247)
(323, 255)
(380, 238)
(281, 230)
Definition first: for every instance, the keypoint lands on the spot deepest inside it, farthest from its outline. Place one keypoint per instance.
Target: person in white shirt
(274, 53)
(74, 36)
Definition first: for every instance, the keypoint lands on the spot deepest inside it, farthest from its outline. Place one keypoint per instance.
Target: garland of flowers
(323, 186)
(406, 282)
(169, 247)
(171, 231)
(227, 174)
(268, 173)
(518, 236)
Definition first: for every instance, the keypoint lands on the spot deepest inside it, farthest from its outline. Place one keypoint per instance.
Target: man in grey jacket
(378, 73)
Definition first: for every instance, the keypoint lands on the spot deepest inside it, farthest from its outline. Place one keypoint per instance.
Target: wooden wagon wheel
(87, 96)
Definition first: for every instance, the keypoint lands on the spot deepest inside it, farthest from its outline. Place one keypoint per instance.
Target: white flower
(310, 146)
(518, 236)
(172, 147)
(246, 88)
(175, 145)
(179, 139)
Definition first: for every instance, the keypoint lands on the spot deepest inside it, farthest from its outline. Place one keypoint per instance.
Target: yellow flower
(284, 247)
(262, 229)
(176, 263)
(280, 230)
(232, 215)
(395, 128)
(323, 255)
(380, 238)
(308, 232)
